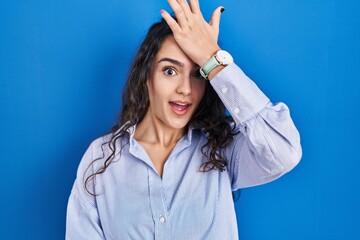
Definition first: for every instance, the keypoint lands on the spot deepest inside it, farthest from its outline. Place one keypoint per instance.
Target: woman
(168, 168)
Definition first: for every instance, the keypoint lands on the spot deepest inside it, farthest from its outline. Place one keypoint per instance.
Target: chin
(178, 123)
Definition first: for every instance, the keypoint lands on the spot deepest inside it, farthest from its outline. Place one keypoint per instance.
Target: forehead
(170, 49)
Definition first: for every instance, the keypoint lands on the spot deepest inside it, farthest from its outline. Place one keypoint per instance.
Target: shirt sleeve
(82, 220)
(268, 144)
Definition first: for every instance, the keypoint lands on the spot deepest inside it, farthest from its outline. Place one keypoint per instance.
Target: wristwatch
(221, 57)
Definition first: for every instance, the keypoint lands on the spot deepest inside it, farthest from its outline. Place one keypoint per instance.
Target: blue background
(63, 65)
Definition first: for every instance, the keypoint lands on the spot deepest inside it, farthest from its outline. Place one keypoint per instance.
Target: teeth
(181, 104)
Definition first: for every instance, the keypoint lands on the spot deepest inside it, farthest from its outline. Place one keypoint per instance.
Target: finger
(195, 7)
(179, 13)
(215, 18)
(174, 26)
(186, 8)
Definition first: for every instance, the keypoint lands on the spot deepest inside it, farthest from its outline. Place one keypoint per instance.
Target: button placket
(162, 219)
(157, 205)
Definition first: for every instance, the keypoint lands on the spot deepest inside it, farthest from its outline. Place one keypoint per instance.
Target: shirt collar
(187, 138)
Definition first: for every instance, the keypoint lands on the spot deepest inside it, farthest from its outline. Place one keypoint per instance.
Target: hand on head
(196, 37)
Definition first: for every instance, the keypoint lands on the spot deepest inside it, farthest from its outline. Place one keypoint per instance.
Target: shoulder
(98, 150)
(96, 147)
(100, 144)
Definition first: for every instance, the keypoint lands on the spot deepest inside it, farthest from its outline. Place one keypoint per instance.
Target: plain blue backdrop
(62, 69)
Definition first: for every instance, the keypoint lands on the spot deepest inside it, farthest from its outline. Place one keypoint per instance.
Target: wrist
(215, 63)
(206, 56)
(215, 71)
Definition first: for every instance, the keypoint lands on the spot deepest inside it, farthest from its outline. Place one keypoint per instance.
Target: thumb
(215, 18)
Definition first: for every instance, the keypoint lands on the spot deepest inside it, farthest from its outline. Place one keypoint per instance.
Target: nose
(184, 86)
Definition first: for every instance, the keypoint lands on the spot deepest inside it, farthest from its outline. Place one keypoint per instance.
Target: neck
(153, 131)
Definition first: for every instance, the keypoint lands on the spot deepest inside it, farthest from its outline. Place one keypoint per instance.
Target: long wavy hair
(210, 115)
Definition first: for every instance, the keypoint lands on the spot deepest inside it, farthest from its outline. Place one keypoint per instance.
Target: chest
(141, 205)
(158, 156)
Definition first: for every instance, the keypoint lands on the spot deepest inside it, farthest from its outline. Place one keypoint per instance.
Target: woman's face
(175, 87)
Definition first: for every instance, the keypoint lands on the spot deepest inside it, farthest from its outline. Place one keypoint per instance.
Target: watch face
(224, 57)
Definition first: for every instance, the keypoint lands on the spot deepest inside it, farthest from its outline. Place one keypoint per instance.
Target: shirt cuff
(240, 95)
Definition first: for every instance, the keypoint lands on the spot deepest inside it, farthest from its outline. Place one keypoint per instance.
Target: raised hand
(196, 37)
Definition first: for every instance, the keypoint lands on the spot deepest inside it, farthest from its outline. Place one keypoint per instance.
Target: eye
(169, 71)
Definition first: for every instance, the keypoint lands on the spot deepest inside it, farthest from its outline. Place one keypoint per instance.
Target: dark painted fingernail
(222, 9)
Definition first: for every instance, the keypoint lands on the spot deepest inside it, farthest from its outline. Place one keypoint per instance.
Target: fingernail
(222, 9)
(162, 11)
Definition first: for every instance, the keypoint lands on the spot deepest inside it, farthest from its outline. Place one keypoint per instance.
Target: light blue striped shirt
(133, 202)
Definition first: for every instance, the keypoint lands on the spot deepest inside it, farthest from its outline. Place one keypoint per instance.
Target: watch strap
(209, 66)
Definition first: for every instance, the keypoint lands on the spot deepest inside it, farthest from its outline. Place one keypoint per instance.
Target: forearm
(270, 143)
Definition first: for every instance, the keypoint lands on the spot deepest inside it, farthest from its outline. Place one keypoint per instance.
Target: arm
(82, 220)
(268, 145)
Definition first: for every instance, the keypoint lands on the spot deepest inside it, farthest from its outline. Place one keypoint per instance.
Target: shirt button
(236, 110)
(224, 90)
(162, 219)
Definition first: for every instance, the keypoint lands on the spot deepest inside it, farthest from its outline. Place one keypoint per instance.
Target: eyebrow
(173, 61)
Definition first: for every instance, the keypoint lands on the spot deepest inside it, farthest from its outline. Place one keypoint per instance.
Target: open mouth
(180, 108)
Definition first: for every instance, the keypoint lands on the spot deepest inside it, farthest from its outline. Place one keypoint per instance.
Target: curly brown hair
(210, 116)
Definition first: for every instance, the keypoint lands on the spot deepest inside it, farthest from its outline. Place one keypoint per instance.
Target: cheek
(158, 89)
(149, 90)
(199, 89)
(153, 93)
